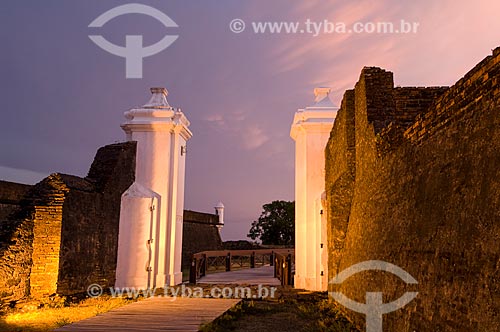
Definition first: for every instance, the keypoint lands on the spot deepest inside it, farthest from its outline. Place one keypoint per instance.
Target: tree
(276, 224)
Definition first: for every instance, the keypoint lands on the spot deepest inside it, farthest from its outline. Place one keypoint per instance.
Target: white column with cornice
(311, 129)
(150, 232)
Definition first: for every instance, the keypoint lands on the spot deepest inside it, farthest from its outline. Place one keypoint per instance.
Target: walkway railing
(205, 262)
(284, 267)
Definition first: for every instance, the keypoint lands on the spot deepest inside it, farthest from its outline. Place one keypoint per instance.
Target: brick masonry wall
(47, 199)
(16, 240)
(456, 105)
(199, 233)
(91, 216)
(340, 157)
(64, 234)
(430, 204)
(11, 195)
(410, 102)
(61, 235)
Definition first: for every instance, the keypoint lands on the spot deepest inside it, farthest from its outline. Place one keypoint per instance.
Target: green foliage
(276, 224)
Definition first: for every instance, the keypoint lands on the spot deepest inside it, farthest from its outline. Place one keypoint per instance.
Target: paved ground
(261, 275)
(156, 314)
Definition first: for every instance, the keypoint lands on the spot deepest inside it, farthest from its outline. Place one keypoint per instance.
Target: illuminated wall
(412, 178)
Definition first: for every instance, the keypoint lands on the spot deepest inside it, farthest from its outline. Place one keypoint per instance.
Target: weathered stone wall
(16, 237)
(426, 198)
(199, 233)
(11, 195)
(340, 174)
(16, 240)
(91, 216)
(409, 102)
(63, 234)
(46, 200)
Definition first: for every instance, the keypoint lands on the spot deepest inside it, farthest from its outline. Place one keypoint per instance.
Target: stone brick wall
(16, 239)
(456, 105)
(340, 173)
(199, 233)
(47, 199)
(63, 234)
(409, 102)
(11, 195)
(428, 201)
(91, 215)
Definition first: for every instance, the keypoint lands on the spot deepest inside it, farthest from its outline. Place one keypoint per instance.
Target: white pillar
(310, 129)
(161, 133)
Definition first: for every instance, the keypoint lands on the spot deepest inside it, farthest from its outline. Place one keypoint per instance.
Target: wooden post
(228, 262)
(252, 260)
(275, 267)
(271, 259)
(203, 268)
(283, 271)
(192, 271)
(289, 269)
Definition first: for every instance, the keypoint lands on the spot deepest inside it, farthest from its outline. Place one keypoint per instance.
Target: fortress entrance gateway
(151, 214)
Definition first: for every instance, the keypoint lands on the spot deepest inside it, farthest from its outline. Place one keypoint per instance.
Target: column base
(307, 283)
(160, 280)
(174, 279)
(137, 282)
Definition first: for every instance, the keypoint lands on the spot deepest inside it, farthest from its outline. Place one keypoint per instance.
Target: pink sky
(63, 97)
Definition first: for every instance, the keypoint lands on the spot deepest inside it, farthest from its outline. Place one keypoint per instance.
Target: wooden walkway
(156, 314)
(261, 275)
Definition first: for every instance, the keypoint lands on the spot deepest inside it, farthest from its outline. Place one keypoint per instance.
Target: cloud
(216, 119)
(250, 137)
(254, 137)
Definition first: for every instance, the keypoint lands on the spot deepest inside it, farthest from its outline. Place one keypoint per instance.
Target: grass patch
(51, 317)
(295, 312)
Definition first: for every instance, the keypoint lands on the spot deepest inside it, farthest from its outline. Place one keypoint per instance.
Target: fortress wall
(16, 246)
(91, 216)
(410, 102)
(46, 200)
(61, 235)
(459, 103)
(199, 233)
(11, 195)
(340, 157)
(430, 205)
